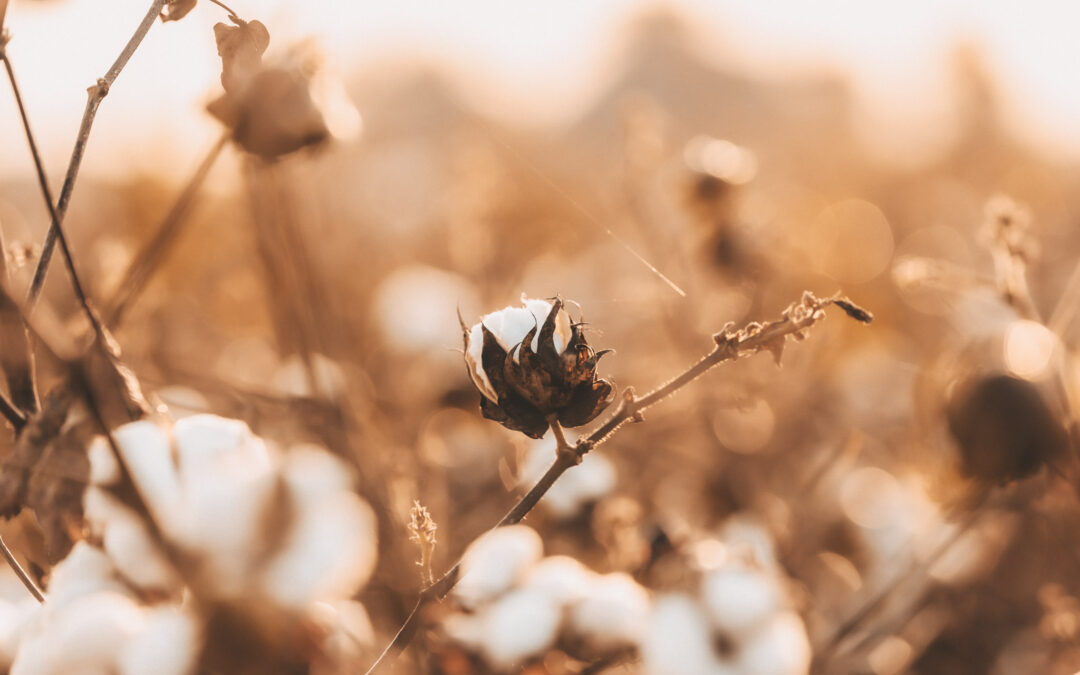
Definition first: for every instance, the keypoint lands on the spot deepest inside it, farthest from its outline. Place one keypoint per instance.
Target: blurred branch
(95, 94)
(730, 345)
(154, 252)
(20, 572)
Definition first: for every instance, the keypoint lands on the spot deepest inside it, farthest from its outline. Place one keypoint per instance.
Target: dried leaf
(47, 471)
(175, 10)
(241, 48)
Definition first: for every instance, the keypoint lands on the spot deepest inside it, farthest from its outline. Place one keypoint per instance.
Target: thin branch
(730, 345)
(95, 94)
(155, 251)
(20, 572)
(11, 413)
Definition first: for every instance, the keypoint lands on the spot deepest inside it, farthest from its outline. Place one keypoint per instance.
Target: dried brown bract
(533, 365)
(269, 108)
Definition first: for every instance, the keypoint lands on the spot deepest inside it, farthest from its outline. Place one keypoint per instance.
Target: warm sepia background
(670, 168)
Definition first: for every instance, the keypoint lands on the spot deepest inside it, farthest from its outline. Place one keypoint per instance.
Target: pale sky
(533, 61)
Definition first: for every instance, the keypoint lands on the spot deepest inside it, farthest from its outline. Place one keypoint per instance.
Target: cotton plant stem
(20, 572)
(95, 94)
(154, 252)
(12, 414)
(24, 388)
(730, 345)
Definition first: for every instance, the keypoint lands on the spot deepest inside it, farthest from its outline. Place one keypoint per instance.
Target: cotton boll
(679, 640)
(747, 533)
(83, 636)
(200, 441)
(560, 578)
(520, 624)
(779, 647)
(104, 469)
(495, 561)
(168, 644)
(85, 570)
(510, 325)
(612, 613)
(144, 447)
(228, 481)
(329, 552)
(467, 630)
(738, 599)
(128, 544)
(15, 619)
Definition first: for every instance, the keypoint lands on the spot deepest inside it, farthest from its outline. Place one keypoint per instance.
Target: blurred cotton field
(490, 338)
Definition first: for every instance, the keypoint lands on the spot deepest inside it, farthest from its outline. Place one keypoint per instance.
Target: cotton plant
(739, 620)
(225, 534)
(515, 605)
(535, 371)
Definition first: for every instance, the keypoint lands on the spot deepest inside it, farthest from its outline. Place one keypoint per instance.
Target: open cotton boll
(228, 482)
(520, 624)
(492, 563)
(779, 647)
(510, 325)
(104, 469)
(329, 552)
(167, 644)
(128, 543)
(739, 598)
(85, 570)
(83, 636)
(15, 619)
(612, 613)
(679, 640)
(591, 480)
(559, 577)
(147, 455)
(330, 548)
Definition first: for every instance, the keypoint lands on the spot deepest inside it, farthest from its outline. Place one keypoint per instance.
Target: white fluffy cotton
(495, 561)
(510, 325)
(679, 640)
(739, 598)
(520, 624)
(779, 647)
(167, 644)
(612, 613)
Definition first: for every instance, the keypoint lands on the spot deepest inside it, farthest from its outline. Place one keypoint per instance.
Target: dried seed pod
(531, 364)
(1004, 428)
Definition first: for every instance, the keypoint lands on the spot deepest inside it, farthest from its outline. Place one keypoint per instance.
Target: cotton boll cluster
(94, 622)
(589, 482)
(517, 605)
(240, 545)
(738, 623)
